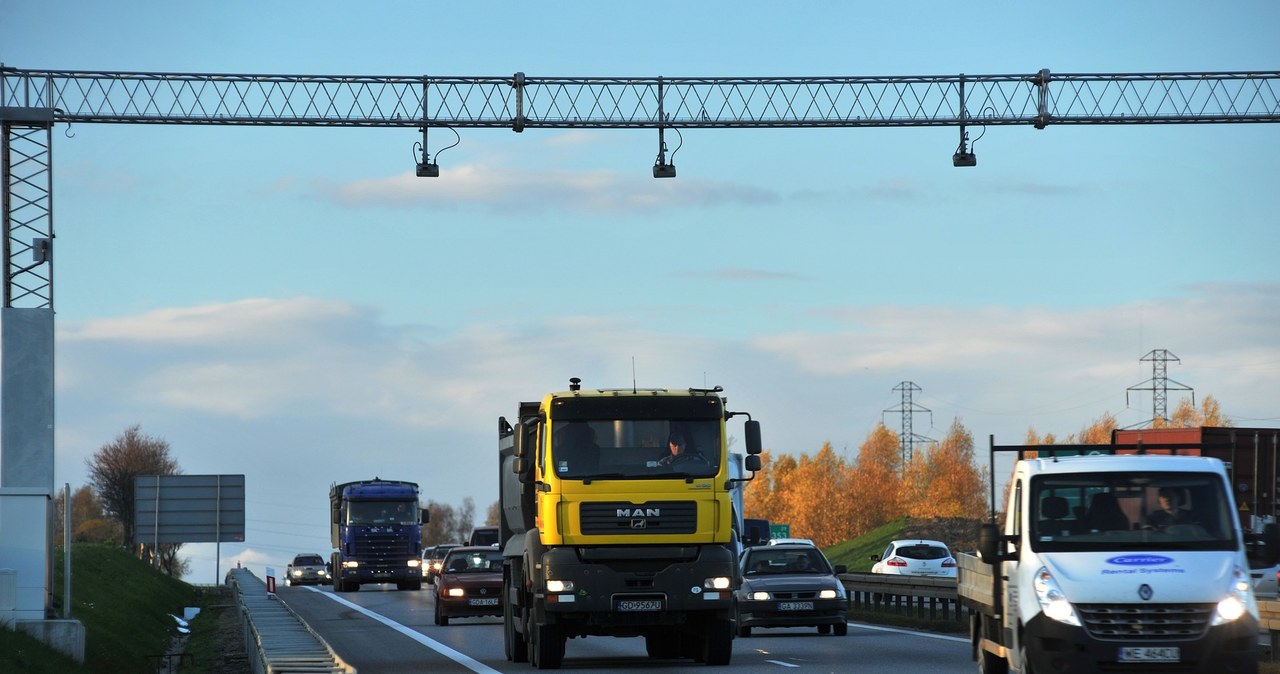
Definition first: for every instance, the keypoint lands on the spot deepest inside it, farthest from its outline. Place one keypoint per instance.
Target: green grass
(856, 553)
(124, 606)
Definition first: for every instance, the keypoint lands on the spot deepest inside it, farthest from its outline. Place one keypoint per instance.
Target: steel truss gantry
(32, 101)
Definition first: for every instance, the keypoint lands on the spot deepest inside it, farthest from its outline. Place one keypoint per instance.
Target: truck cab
(1115, 563)
(618, 520)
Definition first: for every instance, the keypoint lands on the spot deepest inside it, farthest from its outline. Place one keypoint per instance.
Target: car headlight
(827, 594)
(1053, 603)
(297, 572)
(559, 586)
(455, 592)
(759, 596)
(1236, 603)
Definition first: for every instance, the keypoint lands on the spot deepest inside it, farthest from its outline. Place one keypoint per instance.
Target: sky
(292, 304)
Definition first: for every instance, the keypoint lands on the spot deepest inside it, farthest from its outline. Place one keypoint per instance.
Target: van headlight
(1053, 603)
(1236, 603)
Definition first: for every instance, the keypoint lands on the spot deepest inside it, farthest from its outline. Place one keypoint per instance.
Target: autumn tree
(89, 523)
(944, 481)
(112, 470)
(494, 515)
(816, 502)
(764, 494)
(1186, 415)
(875, 484)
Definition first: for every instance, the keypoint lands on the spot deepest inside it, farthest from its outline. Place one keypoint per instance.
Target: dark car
(791, 585)
(469, 584)
(483, 536)
(433, 558)
(307, 570)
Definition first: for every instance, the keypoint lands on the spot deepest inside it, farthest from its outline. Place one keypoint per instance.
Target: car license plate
(795, 606)
(632, 605)
(1150, 654)
(491, 601)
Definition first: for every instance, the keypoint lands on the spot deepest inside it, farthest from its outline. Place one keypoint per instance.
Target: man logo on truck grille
(639, 512)
(639, 524)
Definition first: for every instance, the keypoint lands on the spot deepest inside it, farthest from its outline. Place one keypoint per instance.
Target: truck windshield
(1131, 511)
(382, 512)
(634, 448)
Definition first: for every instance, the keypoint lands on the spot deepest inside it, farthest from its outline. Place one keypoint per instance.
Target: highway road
(380, 630)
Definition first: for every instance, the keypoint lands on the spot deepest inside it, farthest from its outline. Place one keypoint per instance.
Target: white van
(1114, 562)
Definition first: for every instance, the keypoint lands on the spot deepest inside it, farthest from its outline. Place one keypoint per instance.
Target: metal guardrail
(911, 596)
(277, 640)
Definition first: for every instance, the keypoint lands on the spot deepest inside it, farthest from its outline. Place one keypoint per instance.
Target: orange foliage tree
(944, 481)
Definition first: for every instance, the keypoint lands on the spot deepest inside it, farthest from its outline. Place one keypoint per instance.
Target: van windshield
(1131, 511)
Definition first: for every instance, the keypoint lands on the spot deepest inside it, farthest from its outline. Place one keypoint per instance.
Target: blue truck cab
(376, 532)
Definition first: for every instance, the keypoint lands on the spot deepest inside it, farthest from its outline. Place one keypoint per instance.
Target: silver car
(307, 570)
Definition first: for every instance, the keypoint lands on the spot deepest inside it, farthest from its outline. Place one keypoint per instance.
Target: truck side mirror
(752, 462)
(426, 516)
(989, 542)
(751, 429)
(523, 468)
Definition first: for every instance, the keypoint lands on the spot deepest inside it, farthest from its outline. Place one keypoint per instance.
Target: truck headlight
(350, 563)
(559, 586)
(1053, 603)
(717, 583)
(1236, 602)
(414, 563)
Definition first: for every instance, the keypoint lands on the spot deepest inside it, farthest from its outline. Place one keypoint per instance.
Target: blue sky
(294, 305)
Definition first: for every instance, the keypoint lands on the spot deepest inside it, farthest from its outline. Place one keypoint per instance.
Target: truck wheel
(516, 647)
(547, 647)
(662, 644)
(717, 645)
(410, 585)
(744, 632)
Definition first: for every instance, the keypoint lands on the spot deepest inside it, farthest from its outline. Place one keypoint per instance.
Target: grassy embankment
(125, 607)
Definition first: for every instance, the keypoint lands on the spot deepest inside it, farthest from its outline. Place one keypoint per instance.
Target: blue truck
(376, 532)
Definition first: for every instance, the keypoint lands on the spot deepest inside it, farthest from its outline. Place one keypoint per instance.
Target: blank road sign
(188, 508)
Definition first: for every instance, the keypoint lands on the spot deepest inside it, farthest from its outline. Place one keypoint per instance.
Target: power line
(1159, 386)
(906, 408)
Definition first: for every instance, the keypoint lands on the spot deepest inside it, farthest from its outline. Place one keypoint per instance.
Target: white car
(916, 557)
(784, 541)
(1265, 581)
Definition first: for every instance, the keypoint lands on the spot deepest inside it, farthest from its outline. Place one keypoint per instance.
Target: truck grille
(373, 546)
(653, 517)
(1156, 622)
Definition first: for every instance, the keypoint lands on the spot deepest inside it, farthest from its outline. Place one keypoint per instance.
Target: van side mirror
(989, 543)
(1271, 544)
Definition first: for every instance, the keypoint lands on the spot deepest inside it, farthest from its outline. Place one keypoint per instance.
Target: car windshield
(308, 560)
(473, 562)
(1131, 511)
(922, 551)
(631, 448)
(766, 561)
(382, 512)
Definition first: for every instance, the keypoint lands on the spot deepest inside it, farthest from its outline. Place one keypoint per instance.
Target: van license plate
(1150, 654)
(632, 605)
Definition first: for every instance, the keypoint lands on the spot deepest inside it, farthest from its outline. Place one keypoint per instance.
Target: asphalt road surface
(380, 630)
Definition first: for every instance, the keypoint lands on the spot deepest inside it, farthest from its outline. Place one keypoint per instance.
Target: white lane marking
(784, 664)
(419, 637)
(931, 635)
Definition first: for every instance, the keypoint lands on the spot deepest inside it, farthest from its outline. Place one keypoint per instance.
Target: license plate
(638, 605)
(795, 606)
(1150, 654)
(491, 601)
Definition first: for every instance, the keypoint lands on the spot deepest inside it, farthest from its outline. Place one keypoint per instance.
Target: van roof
(1124, 463)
